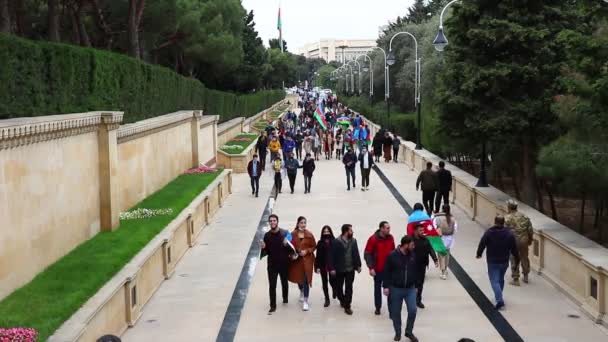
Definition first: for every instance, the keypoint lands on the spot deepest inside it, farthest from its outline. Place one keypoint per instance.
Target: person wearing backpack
(447, 227)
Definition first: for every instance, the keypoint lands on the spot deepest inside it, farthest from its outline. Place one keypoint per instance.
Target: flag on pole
(280, 28)
(320, 115)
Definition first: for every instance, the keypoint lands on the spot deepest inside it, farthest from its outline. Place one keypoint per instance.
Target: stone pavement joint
(233, 314)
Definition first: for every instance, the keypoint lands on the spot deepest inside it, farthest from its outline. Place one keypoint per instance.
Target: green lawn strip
(244, 144)
(275, 114)
(55, 294)
(261, 125)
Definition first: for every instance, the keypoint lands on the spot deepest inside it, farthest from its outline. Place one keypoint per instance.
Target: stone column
(215, 147)
(195, 134)
(108, 170)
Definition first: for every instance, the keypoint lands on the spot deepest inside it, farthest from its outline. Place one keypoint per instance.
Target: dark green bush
(41, 78)
(401, 123)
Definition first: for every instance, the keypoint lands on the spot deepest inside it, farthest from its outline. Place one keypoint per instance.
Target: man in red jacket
(377, 249)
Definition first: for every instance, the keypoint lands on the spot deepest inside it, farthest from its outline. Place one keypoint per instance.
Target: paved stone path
(191, 306)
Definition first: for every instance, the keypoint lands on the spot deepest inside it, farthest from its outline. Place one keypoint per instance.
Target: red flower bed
(18, 335)
(197, 170)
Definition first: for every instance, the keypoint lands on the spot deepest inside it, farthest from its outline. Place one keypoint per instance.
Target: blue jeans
(305, 288)
(396, 298)
(496, 273)
(378, 278)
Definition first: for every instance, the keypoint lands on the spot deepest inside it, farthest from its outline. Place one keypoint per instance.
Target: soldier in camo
(521, 227)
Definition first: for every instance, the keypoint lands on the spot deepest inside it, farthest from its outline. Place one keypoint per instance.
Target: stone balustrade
(573, 263)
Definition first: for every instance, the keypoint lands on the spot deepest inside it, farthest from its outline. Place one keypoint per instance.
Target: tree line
(214, 41)
(528, 79)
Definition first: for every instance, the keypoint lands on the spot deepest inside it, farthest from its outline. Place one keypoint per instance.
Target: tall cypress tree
(500, 75)
(417, 14)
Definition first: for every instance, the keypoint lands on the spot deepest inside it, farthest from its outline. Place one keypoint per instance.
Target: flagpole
(280, 29)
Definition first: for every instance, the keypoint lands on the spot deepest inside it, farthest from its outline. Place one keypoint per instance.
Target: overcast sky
(307, 21)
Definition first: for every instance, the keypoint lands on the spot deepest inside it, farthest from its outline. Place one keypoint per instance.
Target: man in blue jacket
(288, 146)
(500, 244)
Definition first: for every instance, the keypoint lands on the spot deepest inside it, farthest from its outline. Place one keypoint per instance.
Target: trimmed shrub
(401, 123)
(41, 78)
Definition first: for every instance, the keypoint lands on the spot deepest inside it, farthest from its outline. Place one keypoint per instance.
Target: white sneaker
(301, 297)
(443, 276)
(305, 306)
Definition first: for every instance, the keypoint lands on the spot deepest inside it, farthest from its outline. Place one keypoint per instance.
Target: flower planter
(236, 162)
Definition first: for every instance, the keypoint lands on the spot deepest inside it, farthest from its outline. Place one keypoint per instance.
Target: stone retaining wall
(119, 303)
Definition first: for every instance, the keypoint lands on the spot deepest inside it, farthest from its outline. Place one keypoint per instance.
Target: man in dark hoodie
(444, 179)
(400, 286)
(500, 243)
(377, 249)
(350, 161)
(292, 165)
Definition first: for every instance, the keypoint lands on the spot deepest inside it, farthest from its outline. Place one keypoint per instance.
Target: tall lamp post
(391, 61)
(388, 107)
(352, 77)
(343, 46)
(440, 42)
(357, 72)
(371, 81)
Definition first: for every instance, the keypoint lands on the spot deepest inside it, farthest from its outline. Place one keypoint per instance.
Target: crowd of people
(398, 270)
(323, 127)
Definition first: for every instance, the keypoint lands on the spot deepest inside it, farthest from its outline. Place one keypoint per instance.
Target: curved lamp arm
(417, 62)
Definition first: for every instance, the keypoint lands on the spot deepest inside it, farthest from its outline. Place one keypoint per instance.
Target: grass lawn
(60, 290)
(244, 144)
(261, 125)
(275, 114)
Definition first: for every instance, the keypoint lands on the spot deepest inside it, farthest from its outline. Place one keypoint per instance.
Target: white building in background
(337, 50)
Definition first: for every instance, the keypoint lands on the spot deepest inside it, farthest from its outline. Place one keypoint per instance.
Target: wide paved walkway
(192, 305)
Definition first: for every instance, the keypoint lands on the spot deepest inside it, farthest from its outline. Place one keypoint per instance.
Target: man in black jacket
(345, 260)
(276, 245)
(400, 285)
(261, 147)
(444, 178)
(423, 250)
(254, 169)
(350, 161)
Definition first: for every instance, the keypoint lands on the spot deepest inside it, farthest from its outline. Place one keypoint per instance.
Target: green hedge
(41, 78)
(402, 123)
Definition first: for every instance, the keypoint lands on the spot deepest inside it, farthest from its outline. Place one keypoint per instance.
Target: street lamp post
(358, 73)
(440, 42)
(371, 82)
(386, 86)
(391, 61)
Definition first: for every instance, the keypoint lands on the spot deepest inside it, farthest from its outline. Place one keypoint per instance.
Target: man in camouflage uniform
(521, 227)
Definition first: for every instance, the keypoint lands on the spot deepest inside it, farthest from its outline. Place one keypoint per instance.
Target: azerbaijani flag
(280, 28)
(320, 116)
(419, 216)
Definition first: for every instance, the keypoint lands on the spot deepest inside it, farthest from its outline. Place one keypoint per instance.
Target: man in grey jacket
(428, 182)
(345, 260)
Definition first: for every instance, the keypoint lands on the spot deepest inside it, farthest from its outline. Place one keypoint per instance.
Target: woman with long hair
(302, 268)
(322, 262)
(447, 226)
